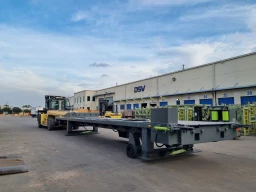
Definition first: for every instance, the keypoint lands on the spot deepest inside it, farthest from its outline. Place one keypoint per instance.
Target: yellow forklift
(106, 110)
(55, 106)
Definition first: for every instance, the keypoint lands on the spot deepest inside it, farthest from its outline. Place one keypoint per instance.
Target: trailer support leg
(95, 129)
(71, 131)
(69, 127)
(147, 144)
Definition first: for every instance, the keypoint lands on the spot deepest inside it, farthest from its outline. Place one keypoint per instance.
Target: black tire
(50, 123)
(132, 151)
(39, 122)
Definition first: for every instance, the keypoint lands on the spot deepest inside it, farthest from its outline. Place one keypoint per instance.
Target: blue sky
(59, 47)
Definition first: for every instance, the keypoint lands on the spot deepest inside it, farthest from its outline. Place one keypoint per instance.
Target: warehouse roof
(84, 90)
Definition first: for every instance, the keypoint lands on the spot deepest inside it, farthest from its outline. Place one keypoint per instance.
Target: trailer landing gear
(73, 126)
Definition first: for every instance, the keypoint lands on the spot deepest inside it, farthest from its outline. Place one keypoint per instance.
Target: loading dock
(144, 105)
(226, 100)
(153, 104)
(189, 102)
(122, 107)
(248, 99)
(129, 106)
(163, 103)
(206, 102)
(135, 106)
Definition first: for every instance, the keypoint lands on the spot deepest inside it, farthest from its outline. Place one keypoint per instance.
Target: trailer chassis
(140, 144)
(175, 137)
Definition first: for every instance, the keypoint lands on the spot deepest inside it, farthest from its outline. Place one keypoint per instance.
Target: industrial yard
(98, 163)
(127, 96)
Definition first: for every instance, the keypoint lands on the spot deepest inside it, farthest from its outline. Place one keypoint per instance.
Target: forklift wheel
(51, 123)
(132, 151)
(38, 122)
(39, 125)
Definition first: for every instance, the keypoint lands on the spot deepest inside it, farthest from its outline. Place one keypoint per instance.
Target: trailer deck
(170, 135)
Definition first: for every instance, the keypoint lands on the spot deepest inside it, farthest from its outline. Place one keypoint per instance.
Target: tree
(26, 106)
(7, 109)
(26, 111)
(16, 110)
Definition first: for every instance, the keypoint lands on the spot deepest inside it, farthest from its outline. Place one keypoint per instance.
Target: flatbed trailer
(171, 136)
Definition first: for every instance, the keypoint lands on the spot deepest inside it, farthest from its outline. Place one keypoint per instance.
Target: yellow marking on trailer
(178, 152)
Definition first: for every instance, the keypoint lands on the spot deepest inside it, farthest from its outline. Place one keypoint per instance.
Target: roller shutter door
(129, 106)
(189, 102)
(245, 100)
(227, 100)
(163, 103)
(206, 101)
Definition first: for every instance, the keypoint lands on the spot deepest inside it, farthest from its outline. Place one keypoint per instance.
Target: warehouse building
(229, 81)
(83, 100)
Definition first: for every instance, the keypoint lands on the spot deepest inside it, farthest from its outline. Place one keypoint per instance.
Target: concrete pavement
(99, 163)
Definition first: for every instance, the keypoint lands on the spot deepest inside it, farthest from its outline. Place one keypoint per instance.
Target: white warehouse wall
(192, 84)
(80, 100)
(71, 101)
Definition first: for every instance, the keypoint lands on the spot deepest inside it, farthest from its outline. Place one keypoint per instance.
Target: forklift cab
(56, 103)
(104, 106)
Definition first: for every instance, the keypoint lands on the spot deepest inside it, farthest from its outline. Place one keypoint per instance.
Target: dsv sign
(139, 89)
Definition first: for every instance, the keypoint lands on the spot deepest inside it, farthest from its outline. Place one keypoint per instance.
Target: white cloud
(79, 16)
(48, 63)
(21, 84)
(251, 22)
(209, 49)
(26, 80)
(167, 2)
(205, 51)
(34, 63)
(99, 16)
(224, 11)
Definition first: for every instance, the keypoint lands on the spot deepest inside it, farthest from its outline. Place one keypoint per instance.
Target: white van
(34, 110)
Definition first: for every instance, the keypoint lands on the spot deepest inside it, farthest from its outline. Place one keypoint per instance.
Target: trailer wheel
(132, 151)
(51, 123)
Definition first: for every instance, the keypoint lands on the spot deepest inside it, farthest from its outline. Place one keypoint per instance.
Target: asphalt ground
(98, 162)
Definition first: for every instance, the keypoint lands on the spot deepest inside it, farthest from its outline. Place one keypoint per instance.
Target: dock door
(206, 102)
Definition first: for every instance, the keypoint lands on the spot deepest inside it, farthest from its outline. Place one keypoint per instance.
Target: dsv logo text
(139, 89)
